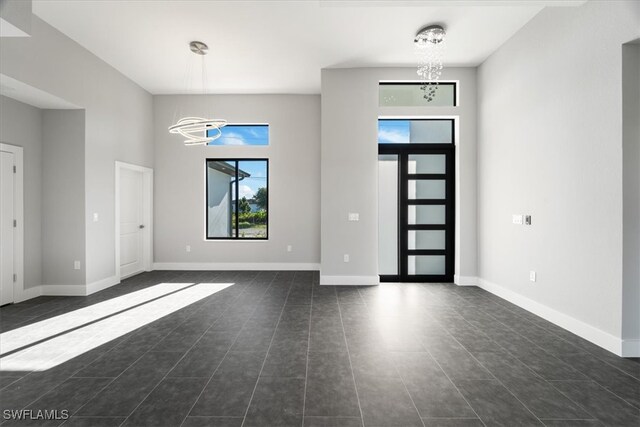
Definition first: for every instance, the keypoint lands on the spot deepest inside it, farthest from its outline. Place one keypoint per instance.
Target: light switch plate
(532, 276)
(95, 217)
(527, 219)
(354, 216)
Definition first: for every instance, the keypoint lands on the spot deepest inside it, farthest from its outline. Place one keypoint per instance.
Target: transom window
(416, 131)
(242, 134)
(411, 94)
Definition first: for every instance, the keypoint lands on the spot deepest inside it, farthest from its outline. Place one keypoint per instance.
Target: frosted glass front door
(388, 214)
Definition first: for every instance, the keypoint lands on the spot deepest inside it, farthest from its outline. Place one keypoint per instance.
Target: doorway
(11, 226)
(416, 196)
(134, 230)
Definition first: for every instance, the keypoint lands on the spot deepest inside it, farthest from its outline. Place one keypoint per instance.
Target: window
(253, 134)
(237, 198)
(416, 131)
(410, 94)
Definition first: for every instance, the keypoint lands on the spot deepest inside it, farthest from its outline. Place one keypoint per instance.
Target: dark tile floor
(278, 349)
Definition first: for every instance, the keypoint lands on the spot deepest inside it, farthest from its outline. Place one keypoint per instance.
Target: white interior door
(131, 222)
(7, 215)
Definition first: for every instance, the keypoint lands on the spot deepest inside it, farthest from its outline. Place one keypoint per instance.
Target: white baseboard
(630, 348)
(64, 290)
(465, 280)
(217, 266)
(100, 285)
(578, 327)
(29, 293)
(349, 280)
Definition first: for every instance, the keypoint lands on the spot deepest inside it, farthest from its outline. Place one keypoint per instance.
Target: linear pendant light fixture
(197, 130)
(429, 46)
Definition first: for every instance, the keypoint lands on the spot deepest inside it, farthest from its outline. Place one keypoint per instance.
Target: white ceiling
(277, 46)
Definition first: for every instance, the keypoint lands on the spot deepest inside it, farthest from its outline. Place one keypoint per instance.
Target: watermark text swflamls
(35, 414)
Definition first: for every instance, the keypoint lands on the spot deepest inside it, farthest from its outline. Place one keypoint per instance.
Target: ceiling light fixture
(196, 130)
(429, 46)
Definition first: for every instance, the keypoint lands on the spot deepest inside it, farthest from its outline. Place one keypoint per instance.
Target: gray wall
(17, 13)
(550, 145)
(119, 117)
(294, 179)
(63, 197)
(350, 166)
(631, 190)
(21, 124)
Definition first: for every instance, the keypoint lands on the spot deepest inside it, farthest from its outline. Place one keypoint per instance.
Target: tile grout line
(223, 358)
(506, 305)
(447, 375)
(80, 369)
(508, 352)
(181, 358)
(264, 361)
(346, 344)
(142, 355)
(306, 368)
(145, 353)
(515, 356)
(496, 379)
(413, 403)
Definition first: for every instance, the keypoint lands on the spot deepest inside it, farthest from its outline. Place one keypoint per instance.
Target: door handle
(141, 226)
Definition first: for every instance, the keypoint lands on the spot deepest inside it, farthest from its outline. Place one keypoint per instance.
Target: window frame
(206, 199)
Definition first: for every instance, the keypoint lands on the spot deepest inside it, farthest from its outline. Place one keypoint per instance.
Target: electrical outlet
(532, 276)
(289, 248)
(346, 258)
(76, 265)
(517, 219)
(188, 248)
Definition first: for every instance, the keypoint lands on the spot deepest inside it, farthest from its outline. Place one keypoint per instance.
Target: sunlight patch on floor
(38, 331)
(62, 348)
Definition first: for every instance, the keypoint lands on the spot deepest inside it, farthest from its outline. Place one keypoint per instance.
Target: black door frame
(403, 151)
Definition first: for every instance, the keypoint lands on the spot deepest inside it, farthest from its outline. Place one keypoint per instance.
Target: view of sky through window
(242, 135)
(393, 131)
(258, 178)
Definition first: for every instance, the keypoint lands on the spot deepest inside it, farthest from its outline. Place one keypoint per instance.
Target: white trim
(590, 333)
(465, 280)
(349, 280)
(147, 214)
(71, 290)
(630, 348)
(64, 290)
(29, 293)
(215, 266)
(100, 285)
(18, 241)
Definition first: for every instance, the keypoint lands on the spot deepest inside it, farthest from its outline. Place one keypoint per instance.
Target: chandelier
(198, 130)
(429, 46)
